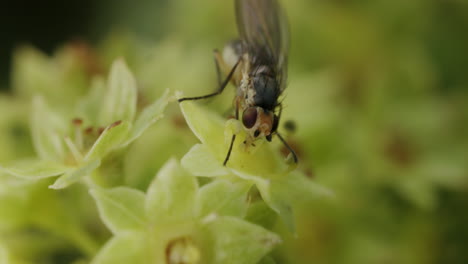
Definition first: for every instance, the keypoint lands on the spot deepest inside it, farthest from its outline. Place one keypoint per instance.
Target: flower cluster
(193, 210)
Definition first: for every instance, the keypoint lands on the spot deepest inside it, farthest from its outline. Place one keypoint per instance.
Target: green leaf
(35, 169)
(201, 162)
(75, 175)
(171, 195)
(110, 139)
(149, 116)
(223, 198)
(128, 247)
(47, 130)
(121, 97)
(237, 241)
(121, 208)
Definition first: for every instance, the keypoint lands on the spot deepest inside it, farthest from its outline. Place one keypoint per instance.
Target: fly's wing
(263, 27)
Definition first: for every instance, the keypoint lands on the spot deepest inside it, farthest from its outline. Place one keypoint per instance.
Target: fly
(256, 64)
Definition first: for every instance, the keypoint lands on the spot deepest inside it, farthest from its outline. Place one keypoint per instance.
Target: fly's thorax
(258, 88)
(266, 86)
(258, 122)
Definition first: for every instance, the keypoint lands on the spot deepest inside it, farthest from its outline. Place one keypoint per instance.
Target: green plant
(83, 147)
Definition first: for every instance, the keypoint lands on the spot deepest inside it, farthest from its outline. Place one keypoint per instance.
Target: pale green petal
(33, 72)
(121, 208)
(296, 187)
(237, 241)
(223, 197)
(125, 248)
(121, 97)
(281, 206)
(48, 130)
(261, 214)
(11, 184)
(201, 162)
(35, 169)
(205, 124)
(61, 78)
(91, 104)
(211, 130)
(110, 139)
(282, 191)
(172, 194)
(75, 175)
(14, 117)
(149, 116)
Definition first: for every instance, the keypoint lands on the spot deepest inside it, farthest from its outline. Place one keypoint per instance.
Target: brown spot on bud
(77, 121)
(89, 130)
(179, 122)
(399, 150)
(86, 56)
(116, 123)
(309, 173)
(100, 130)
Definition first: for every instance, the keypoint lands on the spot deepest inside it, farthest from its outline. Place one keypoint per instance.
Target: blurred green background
(378, 91)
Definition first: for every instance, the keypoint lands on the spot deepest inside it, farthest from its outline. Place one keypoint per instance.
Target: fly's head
(259, 122)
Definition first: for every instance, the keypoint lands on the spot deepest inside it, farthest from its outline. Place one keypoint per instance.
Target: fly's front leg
(221, 85)
(232, 139)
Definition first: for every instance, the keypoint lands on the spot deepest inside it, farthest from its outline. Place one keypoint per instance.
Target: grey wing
(263, 27)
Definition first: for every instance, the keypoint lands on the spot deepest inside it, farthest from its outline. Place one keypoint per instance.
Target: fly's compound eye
(249, 117)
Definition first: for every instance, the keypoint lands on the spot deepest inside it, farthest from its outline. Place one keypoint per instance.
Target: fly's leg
(230, 150)
(281, 138)
(232, 140)
(288, 147)
(221, 85)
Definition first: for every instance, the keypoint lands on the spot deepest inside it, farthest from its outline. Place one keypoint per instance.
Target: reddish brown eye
(249, 117)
